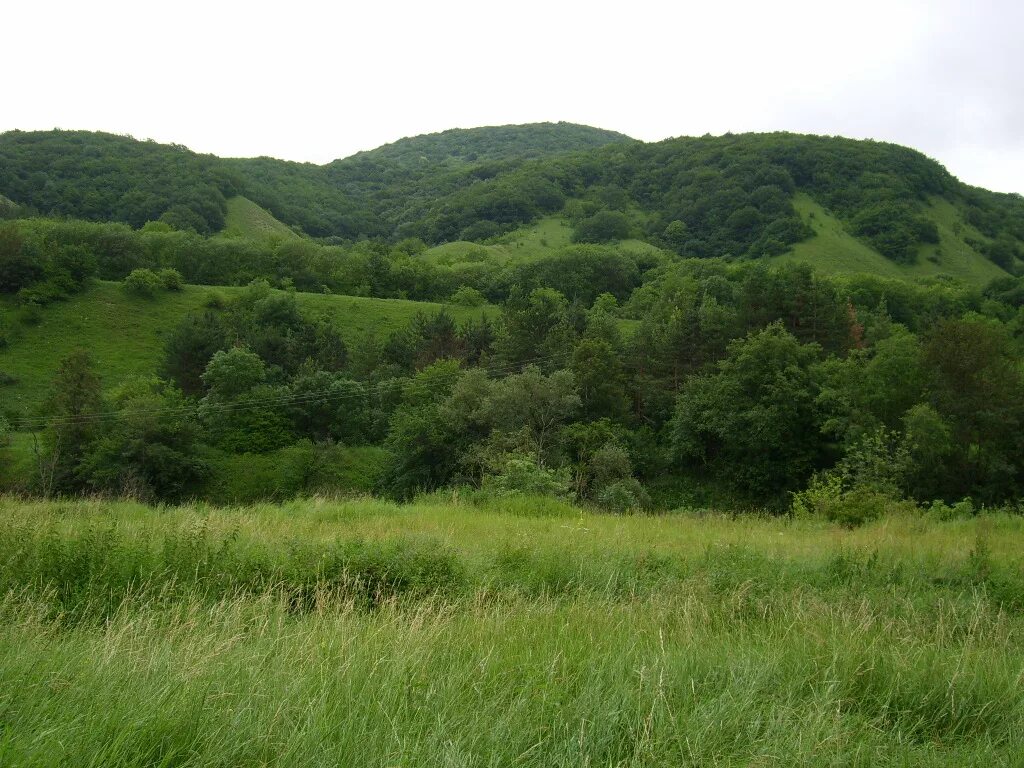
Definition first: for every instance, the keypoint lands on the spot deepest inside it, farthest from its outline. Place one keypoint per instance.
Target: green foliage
(534, 326)
(701, 197)
(149, 451)
(518, 475)
(602, 227)
(233, 372)
(626, 495)
(171, 279)
(191, 345)
(825, 498)
(74, 410)
(105, 177)
(752, 422)
(536, 403)
(143, 282)
(467, 296)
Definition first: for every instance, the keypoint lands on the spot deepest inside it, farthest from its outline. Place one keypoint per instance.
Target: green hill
(125, 334)
(472, 145)
(733, 196)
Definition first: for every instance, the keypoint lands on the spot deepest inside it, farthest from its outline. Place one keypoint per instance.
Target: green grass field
(441, 634)
(246, 219)
(833, 250)
(126, 333)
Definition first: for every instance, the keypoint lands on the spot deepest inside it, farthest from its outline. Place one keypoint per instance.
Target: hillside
(246, 219)
(126, 334)
(833, 250)
(739, 196)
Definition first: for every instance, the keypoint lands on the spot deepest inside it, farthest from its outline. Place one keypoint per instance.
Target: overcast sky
(316, 81)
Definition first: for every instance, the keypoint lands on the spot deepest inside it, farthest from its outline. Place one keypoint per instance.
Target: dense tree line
(43, 260)
(738, 385)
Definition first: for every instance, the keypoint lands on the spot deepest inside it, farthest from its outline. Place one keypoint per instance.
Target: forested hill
(107, 177)
(742, 196)
(504, 142)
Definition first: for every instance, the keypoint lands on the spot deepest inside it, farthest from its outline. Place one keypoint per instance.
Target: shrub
(30, 314)
(249, 477)
(142, 282)
(171, 279)
(468, 297)
(215, 301)
(626, 495)
(824, 497)
(602, 227)
(522, 475)
(961, 510)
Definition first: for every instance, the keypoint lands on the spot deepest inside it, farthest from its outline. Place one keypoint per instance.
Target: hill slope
(246, 219)
(746, 195)
(125, 334)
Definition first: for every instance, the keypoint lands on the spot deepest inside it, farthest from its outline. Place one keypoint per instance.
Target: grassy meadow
(516, 632)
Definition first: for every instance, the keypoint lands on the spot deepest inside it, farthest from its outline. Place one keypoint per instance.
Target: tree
(603, 226)
(329, 406)
(18, 268)
(233, 372)
(600, 378)
(751, 423)
(535, 403)
(424, 440)
(149, 451)
(978, 388)
(534, 326)
(75, 408)
(189, 348)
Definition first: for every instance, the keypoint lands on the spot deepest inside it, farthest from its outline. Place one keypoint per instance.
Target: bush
(824, 497)
(602, 227)
(143, 282)
(962, 510)
(250, 477)
(520, 475)
(626, 495)
(171, 279)
(468, 297)
(30, 314)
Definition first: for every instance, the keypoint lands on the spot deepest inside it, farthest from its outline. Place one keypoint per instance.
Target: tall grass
(365, 633)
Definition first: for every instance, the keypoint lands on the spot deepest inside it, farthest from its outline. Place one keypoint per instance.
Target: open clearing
(514, 633)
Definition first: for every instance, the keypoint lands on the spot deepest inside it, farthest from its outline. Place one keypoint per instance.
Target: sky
(314, 81)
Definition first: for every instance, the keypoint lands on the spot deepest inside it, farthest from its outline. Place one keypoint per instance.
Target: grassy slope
(834, 251)
(527, 244)
(246, 219)
(126, 333)
(566, 641)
